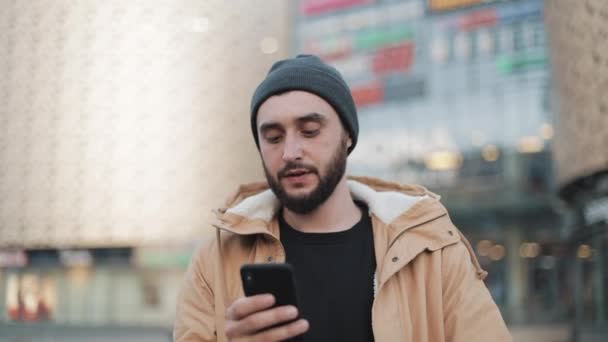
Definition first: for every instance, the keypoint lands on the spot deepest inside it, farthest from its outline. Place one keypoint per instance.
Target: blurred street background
(124, 123)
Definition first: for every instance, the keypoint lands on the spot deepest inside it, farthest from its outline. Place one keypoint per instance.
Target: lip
(291, 173)
(300, 179)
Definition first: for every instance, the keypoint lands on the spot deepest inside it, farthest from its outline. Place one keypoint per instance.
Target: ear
(349, 142)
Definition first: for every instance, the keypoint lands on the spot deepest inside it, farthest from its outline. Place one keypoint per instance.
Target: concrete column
(578, 40)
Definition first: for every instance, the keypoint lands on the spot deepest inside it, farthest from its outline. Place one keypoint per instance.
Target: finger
(261, 320)
(283, 332)
(245, 306)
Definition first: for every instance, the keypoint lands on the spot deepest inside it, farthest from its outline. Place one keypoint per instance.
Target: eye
(273, 138)
(310, 133)
(310, 129)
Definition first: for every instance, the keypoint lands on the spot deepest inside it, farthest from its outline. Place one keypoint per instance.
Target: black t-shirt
(335, 279)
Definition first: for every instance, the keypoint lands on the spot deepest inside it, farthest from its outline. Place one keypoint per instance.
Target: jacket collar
(400, 209)
(251, 209)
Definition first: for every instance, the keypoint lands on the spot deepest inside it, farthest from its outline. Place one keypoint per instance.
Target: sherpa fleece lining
(386, 205)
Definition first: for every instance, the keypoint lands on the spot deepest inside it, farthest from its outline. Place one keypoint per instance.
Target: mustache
(294, 166)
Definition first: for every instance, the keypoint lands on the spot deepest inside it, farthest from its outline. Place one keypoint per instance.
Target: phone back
(277, 279)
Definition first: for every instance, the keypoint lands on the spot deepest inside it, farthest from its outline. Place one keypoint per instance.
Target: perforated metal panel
(126, 122)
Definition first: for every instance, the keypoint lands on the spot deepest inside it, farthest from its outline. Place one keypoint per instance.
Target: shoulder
(217, 245)
(459, 259)
(446, 241)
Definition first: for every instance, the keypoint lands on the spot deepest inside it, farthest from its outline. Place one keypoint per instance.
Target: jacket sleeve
(470, 313)
(195, 316)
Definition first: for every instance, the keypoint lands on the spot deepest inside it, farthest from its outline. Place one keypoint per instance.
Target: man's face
(303, 147)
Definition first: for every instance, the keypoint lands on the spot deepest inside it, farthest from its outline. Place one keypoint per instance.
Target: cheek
(329, 146)
(270, 160)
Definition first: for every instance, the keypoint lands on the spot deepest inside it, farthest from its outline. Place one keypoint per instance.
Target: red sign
(313, 7)
(478, 19)
(393, 58)
(368, 94)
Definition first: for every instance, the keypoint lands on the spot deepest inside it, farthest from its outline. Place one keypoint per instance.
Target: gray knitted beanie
(308, 73)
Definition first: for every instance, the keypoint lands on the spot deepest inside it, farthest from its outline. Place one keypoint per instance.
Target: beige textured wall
(126, 122)
(578, 32)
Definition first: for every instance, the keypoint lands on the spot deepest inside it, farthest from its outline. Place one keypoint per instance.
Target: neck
(339, 212)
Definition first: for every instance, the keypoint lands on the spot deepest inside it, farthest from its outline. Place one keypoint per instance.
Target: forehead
(291, 105)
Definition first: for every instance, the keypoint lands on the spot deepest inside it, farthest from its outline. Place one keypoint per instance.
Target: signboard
(445, 5)
(13, 258)
(315, 7)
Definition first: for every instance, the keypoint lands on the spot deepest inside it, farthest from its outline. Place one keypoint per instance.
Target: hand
(248, 315)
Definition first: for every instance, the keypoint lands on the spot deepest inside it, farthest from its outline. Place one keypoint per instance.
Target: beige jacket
(429, 284)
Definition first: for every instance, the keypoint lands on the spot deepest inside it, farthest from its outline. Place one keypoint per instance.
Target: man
(373, 260)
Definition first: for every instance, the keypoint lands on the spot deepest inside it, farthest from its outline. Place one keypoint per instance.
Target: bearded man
(374, 260)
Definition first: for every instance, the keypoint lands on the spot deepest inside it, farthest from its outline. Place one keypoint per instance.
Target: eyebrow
(268, 126)
(314, 117)
(310, 117)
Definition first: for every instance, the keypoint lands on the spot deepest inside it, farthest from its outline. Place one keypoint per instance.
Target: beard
(304, 204)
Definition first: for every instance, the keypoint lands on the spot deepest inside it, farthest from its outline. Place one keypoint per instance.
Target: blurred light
(78, 276)
(546, 131)
(48, 293)
(547, 262)
(30, 302)
(530, 144)
(200, 25)
(443, 160)
(269, 45)
(29, 290)
(529, 250)
(490, 153)
(534, 249)
(584, 252)
(12, 292)
(522, 250)
(483, 247)
(497, 252)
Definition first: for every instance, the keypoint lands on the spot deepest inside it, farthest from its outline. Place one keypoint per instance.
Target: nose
(292, 150)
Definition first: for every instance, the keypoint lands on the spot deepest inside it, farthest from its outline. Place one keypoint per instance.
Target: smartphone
(274, 278)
